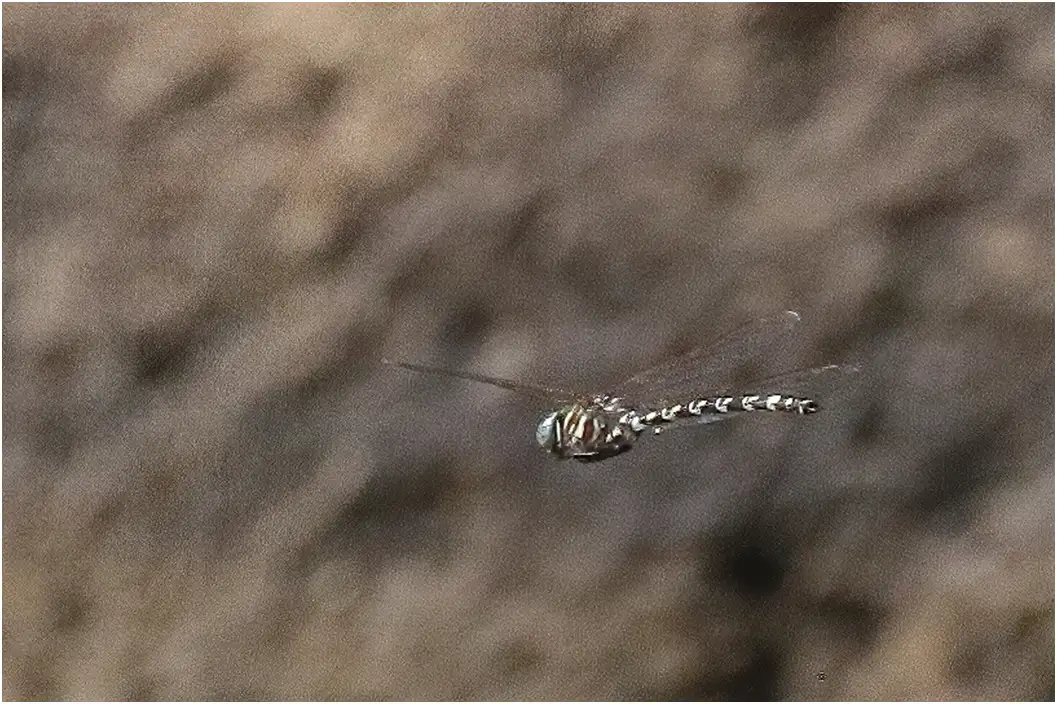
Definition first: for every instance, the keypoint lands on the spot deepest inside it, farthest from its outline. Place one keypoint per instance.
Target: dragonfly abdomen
(713, 408)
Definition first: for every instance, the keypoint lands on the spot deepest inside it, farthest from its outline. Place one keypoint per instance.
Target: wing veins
(707, 363)
(515, 386)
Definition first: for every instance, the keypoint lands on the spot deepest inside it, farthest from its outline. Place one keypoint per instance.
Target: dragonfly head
(548, 432)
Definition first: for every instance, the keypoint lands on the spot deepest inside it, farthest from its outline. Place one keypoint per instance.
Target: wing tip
(385, 361)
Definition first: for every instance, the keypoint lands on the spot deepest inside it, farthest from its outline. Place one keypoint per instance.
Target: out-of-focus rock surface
(217, 219)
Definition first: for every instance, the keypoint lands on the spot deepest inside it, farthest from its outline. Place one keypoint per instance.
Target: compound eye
(547, 432)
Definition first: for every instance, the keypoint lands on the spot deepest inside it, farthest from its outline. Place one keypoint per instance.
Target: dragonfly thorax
(587, 431)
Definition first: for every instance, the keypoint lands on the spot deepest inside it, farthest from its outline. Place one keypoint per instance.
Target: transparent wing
(812, 383)
(712, 367)
(517, 387)
(815, 381)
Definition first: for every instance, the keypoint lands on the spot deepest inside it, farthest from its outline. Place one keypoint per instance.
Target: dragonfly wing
(709, 367)
(517, 387)
(805, 381)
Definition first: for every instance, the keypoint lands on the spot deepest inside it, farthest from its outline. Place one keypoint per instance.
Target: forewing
(816, 381)
(712, 367)
(515, 386)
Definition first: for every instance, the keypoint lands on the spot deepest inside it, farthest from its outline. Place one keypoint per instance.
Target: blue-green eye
(547, 432)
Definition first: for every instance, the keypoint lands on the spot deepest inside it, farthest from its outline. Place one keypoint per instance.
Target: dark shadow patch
(887, 309)
(922, 215)
(797, 31)
(26, 90)
(586, 58)
(352, 228)
(21, 77)
(1032, 623)
(200, 88)
(590, 279)
(359, 222)
(281, 439)
(398, 514)
(414, 276)
(985, 58)
(166, 352)
(354, 356)
(748, 558)
(867, 428)
(990, 172)
(160, 355)
(751, 566)
(142, 688)
(55, 434)
(960, 470)
(758, 680)
(968, 663)
(853, 618)
(467, 327)
(58, 362)
(518, 657)
(70, 611)
(34, 681)
(318, 90)
(186, 97)
(240, 694)
(797, 42)
(725, 184)
(524, 227)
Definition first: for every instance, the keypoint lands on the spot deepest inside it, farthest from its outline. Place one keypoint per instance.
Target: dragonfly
(590, 427)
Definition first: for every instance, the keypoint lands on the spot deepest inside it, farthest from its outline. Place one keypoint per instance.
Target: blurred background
(218, 219)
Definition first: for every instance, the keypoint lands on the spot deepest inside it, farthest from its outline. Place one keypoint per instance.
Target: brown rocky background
(217, 219)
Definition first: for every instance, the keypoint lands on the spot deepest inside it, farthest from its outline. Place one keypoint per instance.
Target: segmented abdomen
(716, 407)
